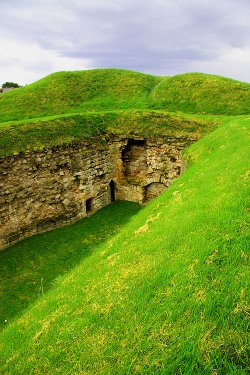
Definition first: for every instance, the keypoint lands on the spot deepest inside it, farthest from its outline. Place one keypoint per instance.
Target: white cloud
(156, 36)
(27, 62)
(234, 63)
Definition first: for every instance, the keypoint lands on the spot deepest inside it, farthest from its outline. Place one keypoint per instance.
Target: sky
(161, 37)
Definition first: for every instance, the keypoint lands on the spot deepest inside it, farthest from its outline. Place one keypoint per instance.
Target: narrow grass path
(31, 267)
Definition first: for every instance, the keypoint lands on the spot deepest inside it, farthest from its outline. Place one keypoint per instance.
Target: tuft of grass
(168, 294)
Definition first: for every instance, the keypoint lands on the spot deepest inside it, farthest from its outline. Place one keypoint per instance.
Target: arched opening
(112, 191)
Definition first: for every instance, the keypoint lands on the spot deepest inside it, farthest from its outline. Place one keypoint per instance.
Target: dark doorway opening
(89, 205)
(112, 191)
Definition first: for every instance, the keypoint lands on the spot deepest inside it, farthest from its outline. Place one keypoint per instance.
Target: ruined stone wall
(146, 167)
(40, 191)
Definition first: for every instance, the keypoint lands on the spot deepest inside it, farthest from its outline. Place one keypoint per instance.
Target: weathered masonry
(40, 191)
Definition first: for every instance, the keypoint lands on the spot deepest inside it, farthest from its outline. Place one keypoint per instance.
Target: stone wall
(146, 167)
(40, 191)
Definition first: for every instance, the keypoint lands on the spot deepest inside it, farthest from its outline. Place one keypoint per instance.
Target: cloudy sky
(163, 37)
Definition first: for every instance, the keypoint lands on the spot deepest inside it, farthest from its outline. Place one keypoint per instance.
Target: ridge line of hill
(114, 89)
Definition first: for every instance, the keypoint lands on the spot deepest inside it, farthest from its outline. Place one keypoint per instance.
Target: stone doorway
(112, 191)
(89, 205)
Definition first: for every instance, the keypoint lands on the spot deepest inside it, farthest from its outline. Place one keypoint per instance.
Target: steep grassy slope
(112, 89)
(202, 93)
(169, 294)
(30, 268)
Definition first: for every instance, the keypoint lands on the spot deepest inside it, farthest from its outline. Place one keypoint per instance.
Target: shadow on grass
(30, 267)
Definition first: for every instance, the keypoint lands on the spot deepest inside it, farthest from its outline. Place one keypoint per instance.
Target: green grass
(164, 292)
(113, 89)
(30, 268)
(202, 94)
(78, 91)
(44, 133)
(168, 294)
(68, 107)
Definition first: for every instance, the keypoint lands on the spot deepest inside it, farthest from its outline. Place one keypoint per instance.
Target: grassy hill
(168, 294)
(67, 107)
(202, 93)
(115, 89)
(158, 290)
(70, 92)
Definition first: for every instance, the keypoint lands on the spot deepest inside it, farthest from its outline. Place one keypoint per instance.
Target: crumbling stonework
(40, 191)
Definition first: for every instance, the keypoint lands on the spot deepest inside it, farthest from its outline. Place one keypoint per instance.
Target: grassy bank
(168, 294)
(45, 133)
(30, 268)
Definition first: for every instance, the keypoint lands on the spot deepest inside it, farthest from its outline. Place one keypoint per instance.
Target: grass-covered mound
(44, 133)
(113, 89)
(203, 94)
(77, 91)
(167, 295)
